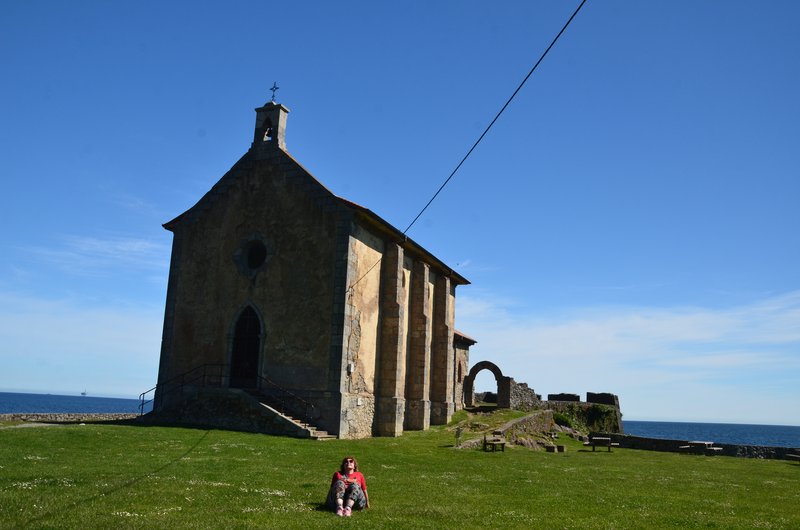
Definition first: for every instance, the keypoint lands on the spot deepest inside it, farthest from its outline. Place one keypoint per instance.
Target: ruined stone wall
(603, 398)
(563, 397)
(594, 415)
(523, 398)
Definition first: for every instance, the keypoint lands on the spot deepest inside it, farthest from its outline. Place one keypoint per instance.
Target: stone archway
(503, 385)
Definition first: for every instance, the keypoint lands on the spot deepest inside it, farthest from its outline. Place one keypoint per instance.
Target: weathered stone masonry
(279, 287)
(419, 355)
(442, 354)
(391, 383)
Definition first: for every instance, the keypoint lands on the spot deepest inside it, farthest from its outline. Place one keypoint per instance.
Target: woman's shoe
(348, 511)
(340, 511)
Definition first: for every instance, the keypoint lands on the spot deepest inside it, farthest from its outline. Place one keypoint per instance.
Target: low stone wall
(65, 418)
(672, 446)
(535, 424)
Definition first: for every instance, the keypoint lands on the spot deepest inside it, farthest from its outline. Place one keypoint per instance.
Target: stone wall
(563, 397)
(603, 398)
(66, 418)
(593, 415)
(461, 362)
(523, 398)
(673, 446)
(532, 425)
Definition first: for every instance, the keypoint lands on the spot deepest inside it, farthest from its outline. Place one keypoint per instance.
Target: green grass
(116, 476)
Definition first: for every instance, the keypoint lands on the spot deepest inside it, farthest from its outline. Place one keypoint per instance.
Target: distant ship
(83, 393)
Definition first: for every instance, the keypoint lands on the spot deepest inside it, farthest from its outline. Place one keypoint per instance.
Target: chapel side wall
(292, 292)
(456, 375)
(461, 364)
(442, 354)
(418, 359)
(408, 264)
(391, 360)
(361, 340)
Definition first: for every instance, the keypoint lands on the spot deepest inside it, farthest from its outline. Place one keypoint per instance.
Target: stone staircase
(304, 429)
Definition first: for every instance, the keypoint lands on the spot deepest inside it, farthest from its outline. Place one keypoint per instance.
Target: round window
(256, 254)
(252, 254)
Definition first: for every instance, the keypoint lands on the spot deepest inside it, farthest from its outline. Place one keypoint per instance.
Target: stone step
(313, 432)
(322, 435)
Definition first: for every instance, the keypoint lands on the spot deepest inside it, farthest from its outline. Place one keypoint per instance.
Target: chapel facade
(279, 289)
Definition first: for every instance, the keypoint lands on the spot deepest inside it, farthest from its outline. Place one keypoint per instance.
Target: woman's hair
(343, 467)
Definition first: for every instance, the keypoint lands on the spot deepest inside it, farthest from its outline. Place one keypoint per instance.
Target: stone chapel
(286, 301)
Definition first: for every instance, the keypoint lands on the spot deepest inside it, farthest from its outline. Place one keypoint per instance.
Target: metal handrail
(285, 393)
(179, 381)
(201, 373)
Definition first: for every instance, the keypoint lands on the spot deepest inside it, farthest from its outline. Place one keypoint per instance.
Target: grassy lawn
(116, 476)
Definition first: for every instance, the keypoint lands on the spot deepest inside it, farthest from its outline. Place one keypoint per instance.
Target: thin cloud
(646, 355)
(728, 361)
(136, 204)
(86, 255)
(66, 345)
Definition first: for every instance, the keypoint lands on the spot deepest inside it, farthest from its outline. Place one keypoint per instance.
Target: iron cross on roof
(274, 89)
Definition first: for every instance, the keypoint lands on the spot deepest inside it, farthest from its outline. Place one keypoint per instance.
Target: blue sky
(629, 225)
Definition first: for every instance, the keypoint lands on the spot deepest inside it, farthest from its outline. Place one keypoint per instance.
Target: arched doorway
(503, 385)
(245, 351)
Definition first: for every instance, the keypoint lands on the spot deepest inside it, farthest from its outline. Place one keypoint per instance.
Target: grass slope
(115, 476)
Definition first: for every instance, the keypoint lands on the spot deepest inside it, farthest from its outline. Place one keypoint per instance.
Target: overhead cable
(495, 118)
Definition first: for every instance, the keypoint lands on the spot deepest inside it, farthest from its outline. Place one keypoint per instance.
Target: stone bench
(700, 450)
(494, 442)
(600, 441)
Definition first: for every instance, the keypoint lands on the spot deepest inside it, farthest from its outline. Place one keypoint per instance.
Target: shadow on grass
(114, 489)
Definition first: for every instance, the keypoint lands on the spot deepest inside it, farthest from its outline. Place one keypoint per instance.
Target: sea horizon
(774, 435)
(70, 393)
(714, 422)
(720, 433)
(638, 420)
(38, 403)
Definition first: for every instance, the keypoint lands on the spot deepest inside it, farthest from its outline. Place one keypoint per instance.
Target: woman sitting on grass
(348, 489)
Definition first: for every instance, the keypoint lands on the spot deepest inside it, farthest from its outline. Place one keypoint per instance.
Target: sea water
(721, 433)
(724, 433)
(17, 403)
